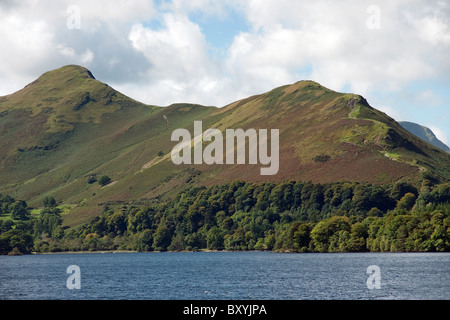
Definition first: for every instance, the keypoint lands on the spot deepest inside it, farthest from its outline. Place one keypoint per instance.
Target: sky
(395, 53)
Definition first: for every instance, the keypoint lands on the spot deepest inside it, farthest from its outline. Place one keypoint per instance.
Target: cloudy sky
(395, 53)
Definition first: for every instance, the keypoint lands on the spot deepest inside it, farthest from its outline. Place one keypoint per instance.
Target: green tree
(195, 241)
(302, 237)
(162, 238)
(194, 219)
(440, 239)
(358, 236)
(269, 241)
(369, 196)
(374, 212)
(227, 224)
(47, 222)
(236, 241)
(49, 202)
(141, 220)
(19, 210)
(146, 240)
(104, 180)
(17, 241)
(400, 189)
(328, 230)
(214, 239)
(406, 202)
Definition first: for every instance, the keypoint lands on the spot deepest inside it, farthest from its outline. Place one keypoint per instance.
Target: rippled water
(226, 275)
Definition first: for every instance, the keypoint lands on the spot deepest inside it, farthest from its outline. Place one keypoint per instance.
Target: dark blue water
(226, 275)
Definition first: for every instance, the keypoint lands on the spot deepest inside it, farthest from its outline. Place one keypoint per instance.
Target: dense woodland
(290, 216)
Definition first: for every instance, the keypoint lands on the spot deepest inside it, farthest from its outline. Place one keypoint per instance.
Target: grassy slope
(52, 134)
(67, 126)
(54, 139)
(363, 144)
(314, 121)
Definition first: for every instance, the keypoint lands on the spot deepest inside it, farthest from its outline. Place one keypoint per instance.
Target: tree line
(291, 216)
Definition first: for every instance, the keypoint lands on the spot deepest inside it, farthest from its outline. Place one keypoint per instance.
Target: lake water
(226, 276)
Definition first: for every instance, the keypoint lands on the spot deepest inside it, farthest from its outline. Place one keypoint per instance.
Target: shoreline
(206, 250)
(80, 252)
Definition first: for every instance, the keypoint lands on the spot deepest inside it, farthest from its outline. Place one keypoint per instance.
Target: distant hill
(424, 133)
(65, 130)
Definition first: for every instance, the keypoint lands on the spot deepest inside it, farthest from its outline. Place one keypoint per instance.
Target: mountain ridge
(67, 127)
(424, 133)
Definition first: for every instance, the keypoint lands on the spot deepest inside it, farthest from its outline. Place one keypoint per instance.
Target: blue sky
(394, 53)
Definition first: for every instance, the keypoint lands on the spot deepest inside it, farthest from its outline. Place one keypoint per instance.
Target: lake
(226, 276)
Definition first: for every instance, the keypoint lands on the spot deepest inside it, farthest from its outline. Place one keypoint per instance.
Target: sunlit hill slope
(67, 129)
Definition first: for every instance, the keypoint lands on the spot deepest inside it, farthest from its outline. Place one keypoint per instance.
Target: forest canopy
(291, 216)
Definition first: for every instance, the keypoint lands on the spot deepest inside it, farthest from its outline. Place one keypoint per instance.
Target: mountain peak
(76, 69)
(72, 70)
(63, 75)
(59, 79)
(66, 96)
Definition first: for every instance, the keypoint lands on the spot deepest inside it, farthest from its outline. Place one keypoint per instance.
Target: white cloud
(434, 31)
(391, 112)
(36, 38)
(23, 42)
(333, 38)
(158, 53)
(95, 13)
(180, 68)
(84, 59)
(330, 38)
(177, 51)
(433, 26)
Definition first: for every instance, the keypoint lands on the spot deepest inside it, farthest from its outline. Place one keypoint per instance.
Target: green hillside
(327, 136)
(63, 132)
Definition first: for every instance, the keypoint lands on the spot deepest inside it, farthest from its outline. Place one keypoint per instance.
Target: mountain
(67, 129)
(424, 133)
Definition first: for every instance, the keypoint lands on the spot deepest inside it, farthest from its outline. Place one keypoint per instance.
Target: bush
(104, 180)
(322, 158)
(91, 179)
